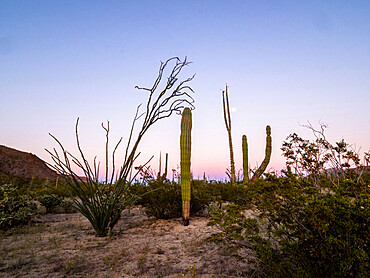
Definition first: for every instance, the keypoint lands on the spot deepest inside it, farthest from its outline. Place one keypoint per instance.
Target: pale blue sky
(286, 63)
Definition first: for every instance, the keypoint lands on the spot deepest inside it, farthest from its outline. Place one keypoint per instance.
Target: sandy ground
(64, 245)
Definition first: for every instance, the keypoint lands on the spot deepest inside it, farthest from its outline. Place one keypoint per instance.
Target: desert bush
(316, 159)
(205, 193)
(202, 194)
(161, 198)
(301, 232)
(36, 187)
(312, 225)
(15, 209)
(50, 201)
(67, 206)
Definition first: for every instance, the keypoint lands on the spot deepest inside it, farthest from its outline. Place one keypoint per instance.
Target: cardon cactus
(245, 158)
(185, 149)
(266, 161)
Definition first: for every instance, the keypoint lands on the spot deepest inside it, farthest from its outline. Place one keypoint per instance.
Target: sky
(285, 63)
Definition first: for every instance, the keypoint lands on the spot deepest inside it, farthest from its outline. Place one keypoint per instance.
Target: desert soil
(64, 245)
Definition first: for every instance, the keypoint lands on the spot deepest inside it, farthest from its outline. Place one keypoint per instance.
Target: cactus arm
(227, 118)
(185, 155)
(245, 159)
(266, 161)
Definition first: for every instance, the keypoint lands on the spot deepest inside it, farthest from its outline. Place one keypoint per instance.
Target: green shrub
(37, 187)
(67, 206)
(161, 198)
(202, 194)
(303, 230)
(310, 223)
(15, 209)
(50, 201)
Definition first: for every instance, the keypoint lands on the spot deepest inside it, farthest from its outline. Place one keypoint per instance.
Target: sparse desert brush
(15, 209)
(162, 198)
(102, 202)
(311, 225)
(50, 201)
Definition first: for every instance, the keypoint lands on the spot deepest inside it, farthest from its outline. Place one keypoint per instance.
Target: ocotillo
(185, 154)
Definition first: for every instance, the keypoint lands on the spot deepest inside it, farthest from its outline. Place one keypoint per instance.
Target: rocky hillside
(22, 164)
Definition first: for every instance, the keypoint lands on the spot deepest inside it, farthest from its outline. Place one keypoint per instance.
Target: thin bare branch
(106, 150)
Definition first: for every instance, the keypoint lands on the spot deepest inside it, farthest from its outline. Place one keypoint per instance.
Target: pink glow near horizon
(279, 74)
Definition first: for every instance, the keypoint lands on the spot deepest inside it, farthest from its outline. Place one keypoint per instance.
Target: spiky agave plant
(102, 203)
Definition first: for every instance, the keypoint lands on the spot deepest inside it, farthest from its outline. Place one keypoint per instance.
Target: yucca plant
(102, 202)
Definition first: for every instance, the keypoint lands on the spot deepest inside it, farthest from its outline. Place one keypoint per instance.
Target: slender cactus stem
(245, 159)
(227, 118)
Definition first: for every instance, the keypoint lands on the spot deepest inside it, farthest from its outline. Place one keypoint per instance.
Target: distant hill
(25, 165)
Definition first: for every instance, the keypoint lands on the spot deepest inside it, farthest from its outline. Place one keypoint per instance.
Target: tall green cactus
(266, 161)
(185, 148)
(245, 159)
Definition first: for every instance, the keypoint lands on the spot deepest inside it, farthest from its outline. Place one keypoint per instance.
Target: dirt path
(64, 245)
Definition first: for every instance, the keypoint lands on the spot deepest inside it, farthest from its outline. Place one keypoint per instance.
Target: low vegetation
(310, 223)
(309, 220)
(15, 209)
(314, 224)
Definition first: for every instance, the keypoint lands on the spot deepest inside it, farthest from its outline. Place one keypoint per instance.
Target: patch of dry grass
(66, 246)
